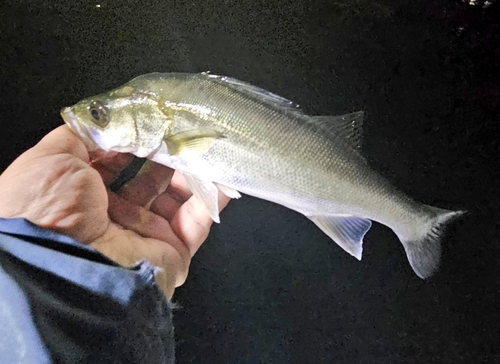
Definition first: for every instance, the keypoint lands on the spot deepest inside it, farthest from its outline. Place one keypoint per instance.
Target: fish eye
(98, 113)
(95, 114)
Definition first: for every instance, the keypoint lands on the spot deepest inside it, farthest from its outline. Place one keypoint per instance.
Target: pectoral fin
(196, 141)
(205, 191)
(346, 231)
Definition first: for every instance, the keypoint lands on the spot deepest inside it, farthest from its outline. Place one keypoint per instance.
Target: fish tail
(423, 249)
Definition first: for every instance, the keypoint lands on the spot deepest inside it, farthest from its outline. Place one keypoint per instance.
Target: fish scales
(219, 130)
(293, 168)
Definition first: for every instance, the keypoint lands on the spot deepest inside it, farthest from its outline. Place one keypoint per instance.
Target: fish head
(122, 120)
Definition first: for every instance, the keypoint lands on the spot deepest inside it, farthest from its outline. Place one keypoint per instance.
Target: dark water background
(268, 286)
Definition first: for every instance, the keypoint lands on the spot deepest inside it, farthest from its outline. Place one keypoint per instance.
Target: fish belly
(309, 190)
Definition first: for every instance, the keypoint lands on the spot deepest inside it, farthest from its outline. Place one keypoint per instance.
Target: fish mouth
(71, 120)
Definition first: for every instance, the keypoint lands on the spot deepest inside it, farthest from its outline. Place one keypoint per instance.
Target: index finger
(61, 140)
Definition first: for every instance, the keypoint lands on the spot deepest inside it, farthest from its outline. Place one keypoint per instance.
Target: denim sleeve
(64, 302)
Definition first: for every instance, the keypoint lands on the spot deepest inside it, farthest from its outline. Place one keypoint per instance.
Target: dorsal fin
(348, 126)
(257, 92)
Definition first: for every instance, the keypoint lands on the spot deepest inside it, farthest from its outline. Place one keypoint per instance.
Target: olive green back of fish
(225, 134)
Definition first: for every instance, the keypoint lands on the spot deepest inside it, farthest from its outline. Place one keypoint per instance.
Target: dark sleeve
(64, 302)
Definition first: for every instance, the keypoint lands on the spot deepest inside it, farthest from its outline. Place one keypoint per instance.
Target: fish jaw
(80, 130)
(95, 140)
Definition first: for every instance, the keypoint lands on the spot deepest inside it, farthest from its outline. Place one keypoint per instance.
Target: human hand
(61, 186)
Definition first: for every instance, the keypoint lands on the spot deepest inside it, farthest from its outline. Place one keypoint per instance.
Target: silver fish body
(224, 133)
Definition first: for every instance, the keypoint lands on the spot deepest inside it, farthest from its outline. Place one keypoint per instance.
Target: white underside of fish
(224, 134)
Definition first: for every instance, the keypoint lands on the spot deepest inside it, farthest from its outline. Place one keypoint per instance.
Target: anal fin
(346, 231)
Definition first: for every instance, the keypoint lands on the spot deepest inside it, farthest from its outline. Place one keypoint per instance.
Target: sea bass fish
(222, 133)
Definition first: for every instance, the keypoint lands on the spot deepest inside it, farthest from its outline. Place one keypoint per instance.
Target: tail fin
(424, 252)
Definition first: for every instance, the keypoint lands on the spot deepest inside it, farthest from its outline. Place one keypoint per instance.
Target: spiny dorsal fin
(348, 126)
(258, 93)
